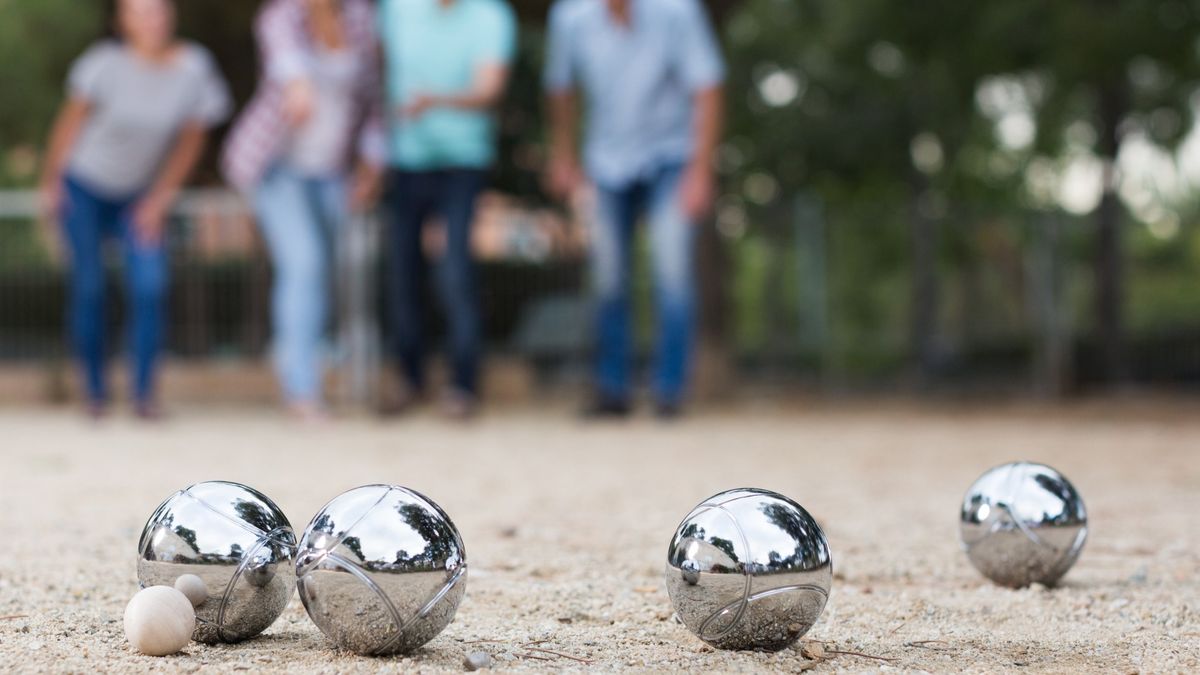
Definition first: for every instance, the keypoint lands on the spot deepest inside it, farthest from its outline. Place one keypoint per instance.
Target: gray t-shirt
(138, 109)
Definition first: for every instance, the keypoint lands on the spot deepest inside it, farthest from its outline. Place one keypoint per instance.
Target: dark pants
(90, 220)
(414, 197)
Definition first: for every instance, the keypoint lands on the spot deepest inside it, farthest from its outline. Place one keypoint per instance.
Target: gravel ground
(566, 528)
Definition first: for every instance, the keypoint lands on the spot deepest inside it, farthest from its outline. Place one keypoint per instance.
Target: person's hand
(299, 99)
(52, 201)
(418, 106)
(564, 177)
(150, 218)
(697, 190)
(51, 198)
(365, 187)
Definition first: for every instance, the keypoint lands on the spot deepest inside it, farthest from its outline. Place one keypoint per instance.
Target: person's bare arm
(151, 212)
(484, 93)
(367, 183)
(63, 136)
(564, 175)
(698, 189)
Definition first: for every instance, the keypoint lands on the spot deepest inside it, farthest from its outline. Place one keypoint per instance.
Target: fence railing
(829, 297)
(218, 306)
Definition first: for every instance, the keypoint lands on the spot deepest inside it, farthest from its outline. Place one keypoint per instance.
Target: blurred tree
(870, 101)
(1108, 71)
(917, 108)
(38, 41)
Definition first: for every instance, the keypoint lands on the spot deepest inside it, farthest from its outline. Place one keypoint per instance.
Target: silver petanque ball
(240, 546)
(1023, 523)
(381, 570)
(749, 569)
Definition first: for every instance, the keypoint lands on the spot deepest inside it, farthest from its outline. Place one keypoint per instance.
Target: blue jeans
(414, 196)
(298, 216)
(671, 244)
(90, 220)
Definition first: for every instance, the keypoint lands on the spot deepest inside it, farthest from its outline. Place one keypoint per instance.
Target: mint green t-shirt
(432, 48)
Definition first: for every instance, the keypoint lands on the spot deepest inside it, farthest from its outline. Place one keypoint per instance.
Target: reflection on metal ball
(381, 570)
(1023, 523)
(237, 542)
(749, 569)
(260, 571)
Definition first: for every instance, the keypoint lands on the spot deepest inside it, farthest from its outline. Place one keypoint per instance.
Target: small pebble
(159, 621)
(813, 651)
(477, 661)
(193, 587)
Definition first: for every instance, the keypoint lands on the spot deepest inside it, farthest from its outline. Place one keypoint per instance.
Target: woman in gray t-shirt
(132, 130)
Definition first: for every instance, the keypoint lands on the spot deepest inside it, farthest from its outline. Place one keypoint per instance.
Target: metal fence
(219, 297)
(804, 294)
(978, 299)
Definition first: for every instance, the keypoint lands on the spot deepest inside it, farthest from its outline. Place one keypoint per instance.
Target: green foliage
(882, 112)
(38, 41)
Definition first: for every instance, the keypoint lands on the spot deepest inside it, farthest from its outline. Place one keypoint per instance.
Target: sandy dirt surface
(566, 528)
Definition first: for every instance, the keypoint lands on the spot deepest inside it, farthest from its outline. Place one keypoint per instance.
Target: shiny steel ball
(1023, 523)
(238, 544)
(381, 570)
(749, 569)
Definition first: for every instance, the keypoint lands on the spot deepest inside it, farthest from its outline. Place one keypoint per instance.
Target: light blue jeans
(299, 216)
(671, 247)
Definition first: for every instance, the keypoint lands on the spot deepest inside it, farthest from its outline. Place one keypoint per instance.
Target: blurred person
(293, 151)
(131, 132)
(447, 67)
(652, 73)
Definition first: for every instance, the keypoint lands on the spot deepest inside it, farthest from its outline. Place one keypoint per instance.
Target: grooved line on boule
(362, 576)
(441, 593)
(240, 524)
(325, 552)
(263, 540)
(425, 609)
(744, 602)
(777, 591)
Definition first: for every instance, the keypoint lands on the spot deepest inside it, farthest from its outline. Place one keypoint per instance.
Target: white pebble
(159, 621)
(193, 587)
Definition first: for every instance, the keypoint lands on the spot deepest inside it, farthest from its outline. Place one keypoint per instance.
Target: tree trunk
(925, 292)
(1109, 259)
(712, 265)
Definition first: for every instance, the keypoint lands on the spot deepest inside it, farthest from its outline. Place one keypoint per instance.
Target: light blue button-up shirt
(639, 80)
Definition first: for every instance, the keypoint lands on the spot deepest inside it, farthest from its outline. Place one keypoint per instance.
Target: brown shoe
(401, 402)
(96, 410)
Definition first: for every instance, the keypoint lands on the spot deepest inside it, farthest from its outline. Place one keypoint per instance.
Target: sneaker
(96, 410)
(401, 402)
(606, 408)
(149, 411)
(308, 412)
(460, 405)
(668, 412)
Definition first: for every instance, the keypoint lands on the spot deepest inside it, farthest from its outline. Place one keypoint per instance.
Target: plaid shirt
(261, 132)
